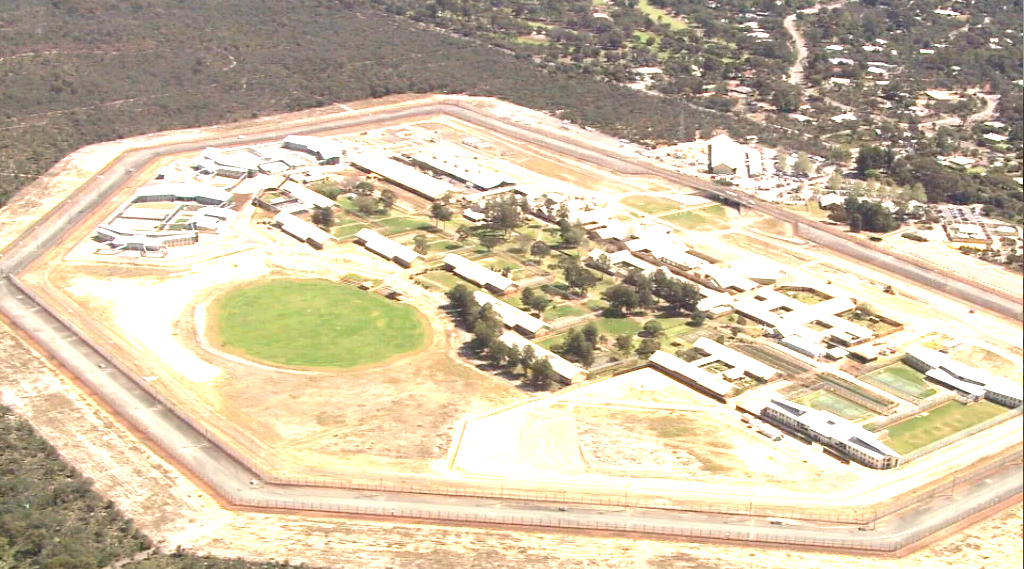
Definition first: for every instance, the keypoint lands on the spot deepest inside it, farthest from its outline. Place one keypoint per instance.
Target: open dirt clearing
(366, 418)
(173, 511)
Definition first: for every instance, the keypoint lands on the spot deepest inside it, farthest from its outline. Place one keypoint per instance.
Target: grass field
(399, 224)
(661, 16)
(938, 423)
(695, 219)
(905, 379)
(563, 310)
(827, 401)
(651, 204)
(314, 323)
(448, 280)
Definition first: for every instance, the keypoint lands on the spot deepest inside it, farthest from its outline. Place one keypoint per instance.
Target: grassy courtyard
(940, 422)
(905, 379)
(314, 323)
(828, 401)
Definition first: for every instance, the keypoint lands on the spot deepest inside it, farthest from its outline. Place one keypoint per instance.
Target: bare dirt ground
(641, 425)
(990, 361)
(174, 512)
(316, 418)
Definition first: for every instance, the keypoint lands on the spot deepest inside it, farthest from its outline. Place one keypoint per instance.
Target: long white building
(510, 315)
(942, 369)
(832, 431)
(568, 371)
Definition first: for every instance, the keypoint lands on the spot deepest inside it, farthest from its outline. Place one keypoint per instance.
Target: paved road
(233, 480)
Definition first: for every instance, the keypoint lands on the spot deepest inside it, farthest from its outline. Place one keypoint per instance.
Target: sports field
(938, 423)
(828, 401)
(905, 379)
(696, 218)
(314, 323)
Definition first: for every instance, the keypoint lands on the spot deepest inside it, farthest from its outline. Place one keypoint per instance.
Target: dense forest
(76, 72)
(51, 518)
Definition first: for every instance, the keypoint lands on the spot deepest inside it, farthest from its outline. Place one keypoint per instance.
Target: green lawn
(399, 224)
(563, 310)
(347, 230)
(661, 16)
(938, 423)
(653, 205)
(827, 401)
(688, 220)
(905, 379)
(612, 327)
(314, 323)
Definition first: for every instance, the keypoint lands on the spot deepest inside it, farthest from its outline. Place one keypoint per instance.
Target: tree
(856, 223)
(420, 245)
(803, 164)
(365, 205)
(365, 188)
(603, 263)
(624, 343)
(463, 233)
(322, 216)
(513, 357)
(542, 374)
(698, 318)
(527, 358)
(504, 216)
(622, 299)
(835, 183)
(592, 333)
(387, 200)
(653, 328)
(441, 213)
(534, 300)
(572, 235)
(578, 278)
(577, 348)
(539, 249)
(647, 347)
(459, 297)
(783, 160)
(490, 241)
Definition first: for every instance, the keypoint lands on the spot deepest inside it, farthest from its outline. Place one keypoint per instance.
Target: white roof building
(461, 168)
(510, 315)
(711, 384)
(746, 364)
(182, 191)
(476, 274)
(387, 248)
(830, 199)
(302, 230)
(405, 176)
(725, 156)
(833, 431)
(942, 368)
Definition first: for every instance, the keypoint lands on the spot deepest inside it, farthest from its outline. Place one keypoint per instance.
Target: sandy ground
(392, 417)
(174, 512)
(646, 426)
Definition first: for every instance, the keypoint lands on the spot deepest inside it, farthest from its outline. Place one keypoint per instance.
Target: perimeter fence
(609, 496)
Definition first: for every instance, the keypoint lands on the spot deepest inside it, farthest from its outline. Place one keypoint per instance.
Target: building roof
(510, 315)
(182, 191)
(307, 196)
(804, 346)
(386, 247)
(965, 373)
(404, 175)
(324, 148)
(479, 275)
(724, 277)
(706, 380)
(723, 150)
(302, 229)
(564, 368)
(830, 199)
(462, 168)
(833, 427)
(736, 359)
